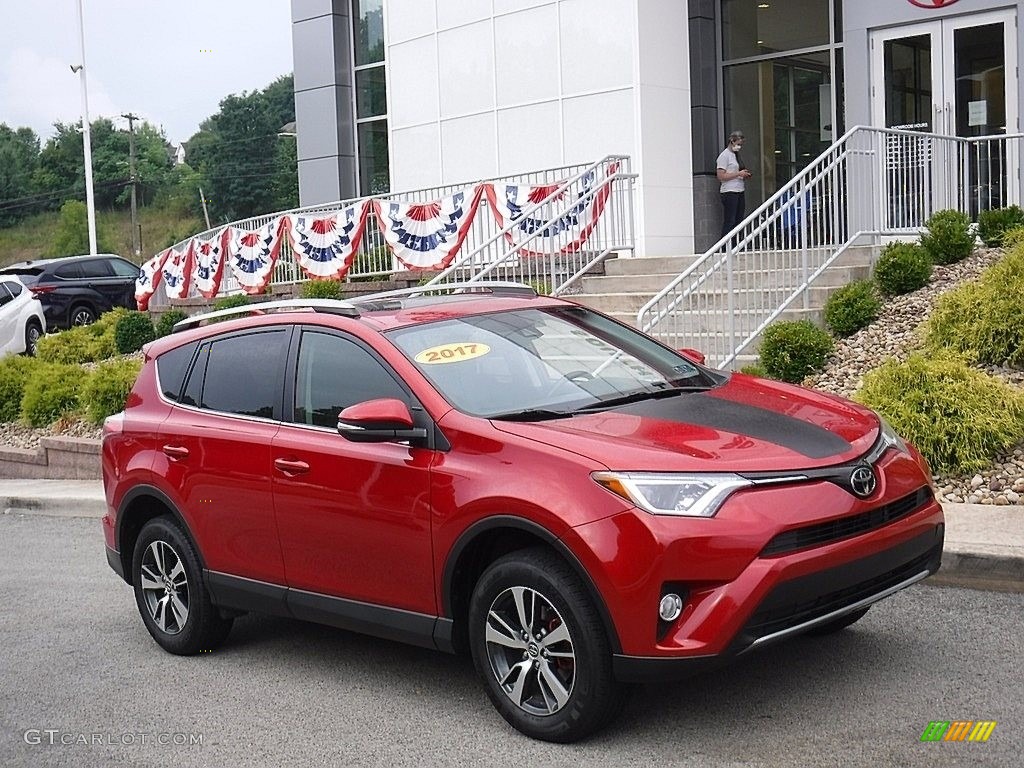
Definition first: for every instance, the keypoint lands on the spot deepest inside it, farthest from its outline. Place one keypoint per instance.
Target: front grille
(780, 612)
(845, 527)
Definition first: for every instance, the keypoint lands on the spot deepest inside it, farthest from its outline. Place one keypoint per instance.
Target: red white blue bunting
(148, 280)
(177, 271)
(253, 253)
(324, 245)
(568, 232)
(428, 235)
(208, 256)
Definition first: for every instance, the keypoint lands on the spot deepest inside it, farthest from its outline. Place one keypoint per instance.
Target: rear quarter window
(172, 367)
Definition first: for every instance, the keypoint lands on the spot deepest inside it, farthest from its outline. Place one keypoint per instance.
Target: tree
(72, 236)
(19, 158)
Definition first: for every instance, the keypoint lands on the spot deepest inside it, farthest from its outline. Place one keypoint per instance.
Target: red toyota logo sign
(931, 3)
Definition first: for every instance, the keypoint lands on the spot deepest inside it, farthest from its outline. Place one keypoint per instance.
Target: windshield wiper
(530, 414)
(635, 397)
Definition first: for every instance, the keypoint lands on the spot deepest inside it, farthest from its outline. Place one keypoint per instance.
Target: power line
(7, 205)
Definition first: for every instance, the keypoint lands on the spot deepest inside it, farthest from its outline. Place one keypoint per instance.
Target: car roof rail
(493, 287)
(330, 306)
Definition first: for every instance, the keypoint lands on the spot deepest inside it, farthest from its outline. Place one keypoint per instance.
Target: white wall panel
(526, 56)
(599, 124)
(408, 18)
(504, 6)
(468, 151)
(597, 38)
(415, 157)
(452, 13)
(529, 138)
(413, 82)
(466, 60)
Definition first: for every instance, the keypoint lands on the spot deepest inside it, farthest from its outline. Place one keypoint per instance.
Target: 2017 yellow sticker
(452, 353)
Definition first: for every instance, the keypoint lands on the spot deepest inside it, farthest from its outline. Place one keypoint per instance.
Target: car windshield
(535, 364)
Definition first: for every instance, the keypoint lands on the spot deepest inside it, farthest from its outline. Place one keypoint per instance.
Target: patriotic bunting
(427, 235)
(324, 245)
(177, 271)
(208, 256)
(568, 232)
(252, 254)
(148, 280)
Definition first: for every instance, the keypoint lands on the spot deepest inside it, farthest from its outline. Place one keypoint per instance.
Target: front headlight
(696, 495)
(890, 439)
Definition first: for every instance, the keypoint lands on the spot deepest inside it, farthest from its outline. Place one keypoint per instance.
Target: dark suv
(75, 290)
(515, 476)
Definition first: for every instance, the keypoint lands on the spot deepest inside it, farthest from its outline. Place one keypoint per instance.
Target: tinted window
(14, 288)
(69, 271)
(193, 391)
(335, 373)
(245, 374)
(124, 268)
(5, 295)
(171, 368)
(96, 268)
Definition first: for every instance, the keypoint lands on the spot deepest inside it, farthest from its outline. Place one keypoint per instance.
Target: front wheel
(540, 648)
(33, 332)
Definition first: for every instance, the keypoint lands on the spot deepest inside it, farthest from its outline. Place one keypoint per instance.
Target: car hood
(745, 425)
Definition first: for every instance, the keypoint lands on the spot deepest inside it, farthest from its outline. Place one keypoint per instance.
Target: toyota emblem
(862, 481)
(931, 3)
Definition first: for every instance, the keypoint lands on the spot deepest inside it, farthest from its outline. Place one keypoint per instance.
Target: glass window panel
(244, 374)
(908, 82)
(753, 27)
(374, 178)
(368, 16)
(980, 80)
(371, 97)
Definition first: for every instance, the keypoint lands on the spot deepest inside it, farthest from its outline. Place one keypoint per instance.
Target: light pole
(90, 204)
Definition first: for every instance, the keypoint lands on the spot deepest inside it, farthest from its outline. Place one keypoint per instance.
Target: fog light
(671, 606)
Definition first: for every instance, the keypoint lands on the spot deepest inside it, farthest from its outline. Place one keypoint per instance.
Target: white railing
(485, 240)
(871, 183)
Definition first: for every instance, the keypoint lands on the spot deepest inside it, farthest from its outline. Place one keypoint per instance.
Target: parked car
(75, 290)
(21, 318)
(573, 503)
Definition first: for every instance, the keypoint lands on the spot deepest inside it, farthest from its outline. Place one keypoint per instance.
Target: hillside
(33, 237)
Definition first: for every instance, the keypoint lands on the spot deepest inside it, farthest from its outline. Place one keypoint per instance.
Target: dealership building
(396, 95)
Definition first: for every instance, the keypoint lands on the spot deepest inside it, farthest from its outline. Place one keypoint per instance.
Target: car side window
(334, 373)
(245, 374)
(97, 268)
(171, 368)
(14, 288)
(69, 271)
(5, 295)
(124, 268)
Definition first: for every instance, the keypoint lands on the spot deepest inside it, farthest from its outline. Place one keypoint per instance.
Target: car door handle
(176, 451)
(291, 467)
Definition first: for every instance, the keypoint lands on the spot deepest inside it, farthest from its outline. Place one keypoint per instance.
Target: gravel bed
(18, 435)
(895, 335)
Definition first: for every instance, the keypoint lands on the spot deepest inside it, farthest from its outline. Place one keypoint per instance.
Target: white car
(21, 318)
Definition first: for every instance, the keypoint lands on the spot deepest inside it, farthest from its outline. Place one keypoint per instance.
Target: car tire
(558, 689)
(33, 332)
(836, 625)
(171, 593)
(82, 314)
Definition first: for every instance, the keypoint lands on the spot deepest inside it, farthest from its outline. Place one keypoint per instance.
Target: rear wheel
(33, 332)
(170, 592)
(83, 314)
(540, 648)
(838, 624)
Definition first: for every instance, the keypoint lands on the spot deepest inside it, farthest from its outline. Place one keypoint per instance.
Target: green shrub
(993, 225)
(51, 391)
(106, 390)
(321, 289)
(984, 319)
(230, 302)
(754, 369)
(132, 331)
(377, 260)
(165, 324)
(791, 351)
(14, 372)
(542, 287)
(948, 239)
(902, 268)
(82, 344)
(958, 417)
(852, 307)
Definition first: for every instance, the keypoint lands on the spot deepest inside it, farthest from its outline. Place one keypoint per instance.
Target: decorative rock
(995, 485)
(1018, 485)
(1001, 501)
(976, 482)
(987, 500)
(974, 499)
(1012, 498)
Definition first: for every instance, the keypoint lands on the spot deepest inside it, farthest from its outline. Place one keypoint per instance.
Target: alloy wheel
(32, 339)
(530, 650)
(83, 316)
(165, 587)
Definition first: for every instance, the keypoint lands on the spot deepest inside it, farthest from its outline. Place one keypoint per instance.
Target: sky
(168, 61)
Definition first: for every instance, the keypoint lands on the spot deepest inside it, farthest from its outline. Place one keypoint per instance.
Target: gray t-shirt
(727, 162)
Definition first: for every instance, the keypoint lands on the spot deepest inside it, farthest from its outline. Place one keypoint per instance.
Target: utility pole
(131, 118)
(206, 213)
(90, 204)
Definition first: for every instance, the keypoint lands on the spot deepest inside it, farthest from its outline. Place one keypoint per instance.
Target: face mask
(735, 147)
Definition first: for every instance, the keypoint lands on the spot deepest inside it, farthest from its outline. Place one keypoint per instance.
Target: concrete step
(744, 279)
(648, 265)
(764, 298)
(718, 321)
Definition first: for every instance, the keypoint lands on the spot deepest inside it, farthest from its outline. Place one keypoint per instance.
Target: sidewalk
(984, 544)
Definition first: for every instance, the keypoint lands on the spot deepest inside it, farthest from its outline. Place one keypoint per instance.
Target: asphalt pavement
(77, 666)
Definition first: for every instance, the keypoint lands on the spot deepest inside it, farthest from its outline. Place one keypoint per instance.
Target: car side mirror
(378, 421)
(693, 354)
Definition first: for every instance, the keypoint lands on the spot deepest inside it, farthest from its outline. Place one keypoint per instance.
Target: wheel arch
(140, 505)
(483, 543)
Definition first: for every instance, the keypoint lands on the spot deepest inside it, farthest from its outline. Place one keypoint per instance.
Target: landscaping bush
(82, 344)
(791, 351)
(51, 391)
(993, 225)
(106, 390)
(14, 372)
(948, 239)
(958, 417)
(984, 320)
(902, 268)
(131, 331)
(852, 307)
(230, 302)
(754, 369)
(165, 324)
(321, 289)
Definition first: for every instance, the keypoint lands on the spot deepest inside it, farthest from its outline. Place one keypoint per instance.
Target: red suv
(576, 505)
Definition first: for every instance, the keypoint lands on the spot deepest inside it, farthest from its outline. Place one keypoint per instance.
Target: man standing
(733, 175)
